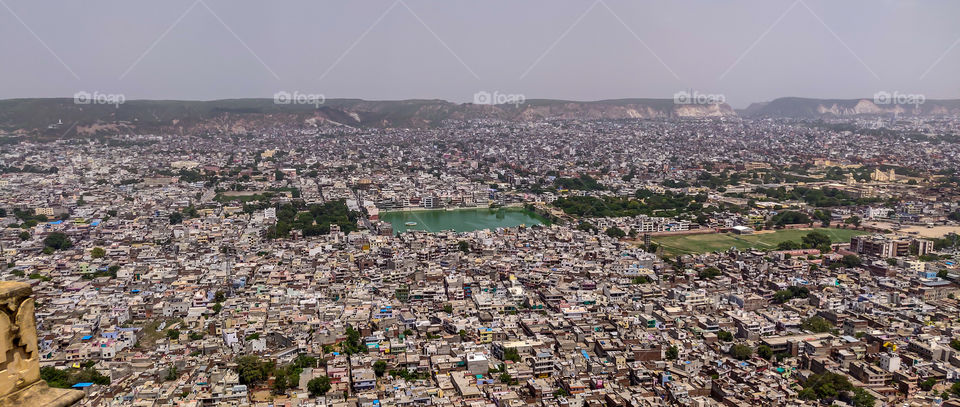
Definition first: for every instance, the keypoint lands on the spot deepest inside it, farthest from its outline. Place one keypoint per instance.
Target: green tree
(782, 296)
(463, 246)
(304, 361)
(380, 367)
(823, 216)
(511, 354)
(851, 260)
(615, 232)
(741, 352)
(816, 240)
(280, 383)
(90, 375)
(506, 378)
(176, 218)
(641, 280)
(788, 245)
(826, 386)
(173, 334)
(24, 235)
(318, 386)
(98, 253)
(672, 352)
(191, 212)
(725, 336)
(816, 324)
(709, 273)
(65, 378)
(807, 394)
(171, 374)
(764, 352)
(352, 344)
(54, 377)
(251, 369)
(585, 226)
(57, 241)
(863, 398)
(853, 220)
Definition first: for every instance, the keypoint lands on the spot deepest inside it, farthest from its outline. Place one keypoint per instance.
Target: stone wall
(20, 383)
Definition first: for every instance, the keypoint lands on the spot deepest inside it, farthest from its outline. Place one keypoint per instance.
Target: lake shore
(454, 209)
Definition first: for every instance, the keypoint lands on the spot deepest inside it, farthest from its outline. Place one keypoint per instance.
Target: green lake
(460, 220)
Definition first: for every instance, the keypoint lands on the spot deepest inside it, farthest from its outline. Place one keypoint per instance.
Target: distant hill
(803, 108)
(38, 116)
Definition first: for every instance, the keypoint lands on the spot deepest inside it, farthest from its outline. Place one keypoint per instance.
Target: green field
(674, 245)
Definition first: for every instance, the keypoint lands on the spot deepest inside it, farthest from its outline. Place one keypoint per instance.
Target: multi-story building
(885, 247)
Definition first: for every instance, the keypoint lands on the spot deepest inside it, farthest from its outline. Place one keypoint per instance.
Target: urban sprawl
(690, 262)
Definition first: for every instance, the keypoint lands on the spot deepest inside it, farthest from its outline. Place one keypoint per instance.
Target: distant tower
(228, 253)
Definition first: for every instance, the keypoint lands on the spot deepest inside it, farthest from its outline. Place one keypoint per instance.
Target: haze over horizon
(748, 51)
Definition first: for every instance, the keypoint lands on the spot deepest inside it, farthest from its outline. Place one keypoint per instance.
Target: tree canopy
(816, 324)
(57, 241)
(318, 386)
(313, 220)
(741, 352)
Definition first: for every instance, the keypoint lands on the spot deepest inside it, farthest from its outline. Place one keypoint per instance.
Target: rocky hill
(33, 116)
(802, 108)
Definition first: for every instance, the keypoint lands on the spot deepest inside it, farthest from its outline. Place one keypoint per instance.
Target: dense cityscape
(412, 203)
(712, 261)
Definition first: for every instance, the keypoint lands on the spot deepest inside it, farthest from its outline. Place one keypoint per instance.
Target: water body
(460, 220)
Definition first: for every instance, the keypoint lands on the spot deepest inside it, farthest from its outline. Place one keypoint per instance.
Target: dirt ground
(922, 231)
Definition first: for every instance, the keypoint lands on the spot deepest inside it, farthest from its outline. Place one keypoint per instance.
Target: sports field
(764, 240)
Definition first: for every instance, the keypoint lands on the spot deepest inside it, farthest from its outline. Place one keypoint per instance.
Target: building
(885, 247)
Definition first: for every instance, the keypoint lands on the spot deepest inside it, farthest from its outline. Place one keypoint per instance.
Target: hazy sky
(449, 49)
